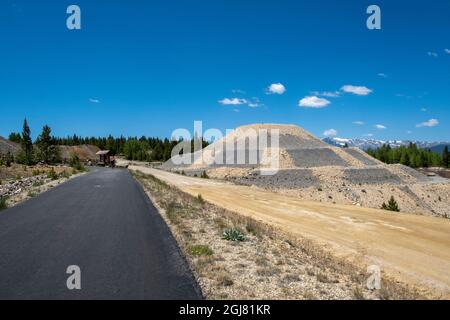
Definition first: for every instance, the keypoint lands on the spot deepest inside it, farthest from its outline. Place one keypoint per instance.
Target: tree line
(411, 156)
(45, 148)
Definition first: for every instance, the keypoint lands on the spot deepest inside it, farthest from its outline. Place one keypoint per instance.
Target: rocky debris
(15, 187)
(361, 156)
(313, 170)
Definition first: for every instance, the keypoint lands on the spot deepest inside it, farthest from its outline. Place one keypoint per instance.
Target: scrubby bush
(75, 163)
(200, 250)
(204, 175)
(233, 235)
(65, 174)
(200, 199)
(37, 184)
(3, 204)
(52, 174)
(7, 159)
(392, 205)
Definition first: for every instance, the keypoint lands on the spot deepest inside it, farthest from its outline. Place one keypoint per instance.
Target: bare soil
(412, 249)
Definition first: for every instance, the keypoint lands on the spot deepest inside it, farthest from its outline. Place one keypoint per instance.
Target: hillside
(314, 170)
(84, 152)
(6, 145)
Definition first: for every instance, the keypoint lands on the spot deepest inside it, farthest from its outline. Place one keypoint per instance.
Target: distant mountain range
(364, 144)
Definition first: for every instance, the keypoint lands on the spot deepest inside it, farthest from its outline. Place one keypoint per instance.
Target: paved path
(104, 223)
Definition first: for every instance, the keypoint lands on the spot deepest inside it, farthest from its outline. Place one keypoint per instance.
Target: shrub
(3, 204)
(52, 174)
(171, 212)
(6, 159)
(204, 175)
(75, 163)
(65, 174)
(37, 184)
(233, 235)
(200, 250)
(392, 205)
(36, 173)
(200, 199)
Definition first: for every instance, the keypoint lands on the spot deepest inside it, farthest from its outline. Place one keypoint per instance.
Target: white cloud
(238, 91)
(423, 109)
(369, 135)
(236, 110)
(358, 90)
(94, 100)
(380, 126)
(276, 88)
(409, 132)
(402, 95)
(330, 133)
(432, 54)
(232, 101)
(359, 123)
(329, 94)
(429, 123)
(313, 102)
(447, 51)
(383, 75)
(255, 103)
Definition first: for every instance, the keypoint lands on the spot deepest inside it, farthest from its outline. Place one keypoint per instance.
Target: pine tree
(15, 137)
(27, 145)
(404, 159)
(392, 205)
(445, 158)
(44, 143)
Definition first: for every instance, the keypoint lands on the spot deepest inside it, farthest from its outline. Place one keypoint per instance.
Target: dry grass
(269, 264)
(18, 171)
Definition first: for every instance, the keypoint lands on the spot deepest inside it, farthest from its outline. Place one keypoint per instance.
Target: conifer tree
(445, 158)
(27, 144)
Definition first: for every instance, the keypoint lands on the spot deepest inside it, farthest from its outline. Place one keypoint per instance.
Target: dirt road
(415, 249)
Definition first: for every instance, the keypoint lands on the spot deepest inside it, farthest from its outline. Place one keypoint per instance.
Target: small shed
(104, 157)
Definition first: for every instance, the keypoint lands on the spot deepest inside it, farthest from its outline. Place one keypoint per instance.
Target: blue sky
(149, 67)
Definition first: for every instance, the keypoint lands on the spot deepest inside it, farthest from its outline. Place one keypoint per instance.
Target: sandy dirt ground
(413, 249)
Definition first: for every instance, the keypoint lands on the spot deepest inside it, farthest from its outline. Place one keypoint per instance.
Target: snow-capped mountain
(365, 144)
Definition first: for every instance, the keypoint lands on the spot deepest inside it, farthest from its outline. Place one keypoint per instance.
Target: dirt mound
(8, 146)
(84, 152)
(257, 146)
(314, 170)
